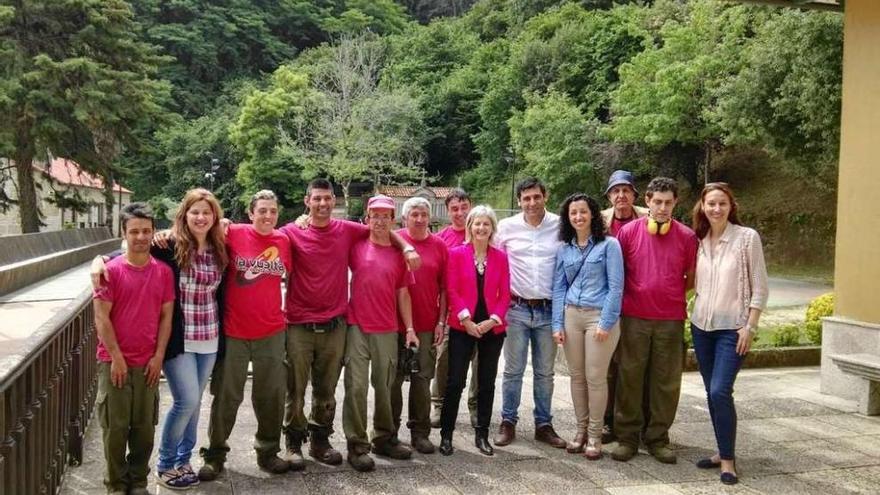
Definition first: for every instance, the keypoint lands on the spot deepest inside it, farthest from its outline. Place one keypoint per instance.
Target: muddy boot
(359, 458)
(293, 455)
(321, 450)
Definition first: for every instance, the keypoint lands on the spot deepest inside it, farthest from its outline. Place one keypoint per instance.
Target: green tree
(667, 94)
(787, 99)
(77, 83)
(552, 140)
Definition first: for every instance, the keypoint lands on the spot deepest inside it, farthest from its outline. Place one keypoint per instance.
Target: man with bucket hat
(621, 193)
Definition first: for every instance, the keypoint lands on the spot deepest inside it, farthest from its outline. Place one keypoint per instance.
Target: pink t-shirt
(429, 278)
(137, 294)
(616, 225)
(318, 287)
(253, 282)
(377, 272)
(654, 270)
(451, 237)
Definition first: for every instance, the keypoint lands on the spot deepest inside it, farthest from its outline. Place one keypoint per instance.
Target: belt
(320, 326)
(531, 302)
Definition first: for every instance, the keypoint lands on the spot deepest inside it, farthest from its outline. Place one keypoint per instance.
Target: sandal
(173, 480)
(187, 473)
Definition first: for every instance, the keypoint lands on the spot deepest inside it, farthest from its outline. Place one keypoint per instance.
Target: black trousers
(461, 348)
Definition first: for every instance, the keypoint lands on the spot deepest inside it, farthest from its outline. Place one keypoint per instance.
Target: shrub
(818, 308)
(786, 336)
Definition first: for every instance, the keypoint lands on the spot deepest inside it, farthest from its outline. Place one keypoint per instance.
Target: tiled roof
(440, 192)
(68, 172)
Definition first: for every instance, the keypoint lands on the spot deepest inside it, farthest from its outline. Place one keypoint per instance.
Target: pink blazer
(461, 285)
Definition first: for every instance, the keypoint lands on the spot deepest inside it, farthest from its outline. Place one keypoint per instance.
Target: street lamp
(212, 174)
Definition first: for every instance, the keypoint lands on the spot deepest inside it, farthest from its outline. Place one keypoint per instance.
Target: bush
(786, 336)
(818, 308)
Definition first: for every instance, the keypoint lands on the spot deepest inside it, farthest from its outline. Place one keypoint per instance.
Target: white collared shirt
(531, 252)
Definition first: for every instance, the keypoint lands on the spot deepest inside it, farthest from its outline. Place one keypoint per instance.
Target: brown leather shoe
(321, 450)
(576, 446)
(506, 434)
(548, 435)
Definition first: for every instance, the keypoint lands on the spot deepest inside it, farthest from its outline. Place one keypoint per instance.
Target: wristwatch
(409, 249)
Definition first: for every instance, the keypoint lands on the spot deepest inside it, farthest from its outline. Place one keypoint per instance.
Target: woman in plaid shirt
(197, 256)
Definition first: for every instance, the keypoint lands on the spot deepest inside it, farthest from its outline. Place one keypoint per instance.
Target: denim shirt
(598, 284)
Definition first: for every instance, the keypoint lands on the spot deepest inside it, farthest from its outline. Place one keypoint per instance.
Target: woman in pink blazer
(478, 291)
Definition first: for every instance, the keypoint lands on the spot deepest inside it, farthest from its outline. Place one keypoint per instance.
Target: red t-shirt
(377, 272)
(451, 237)
(318, 288)
(429, 278)
(616, 225)
(654, 270)
(257, 264)
(137, 294)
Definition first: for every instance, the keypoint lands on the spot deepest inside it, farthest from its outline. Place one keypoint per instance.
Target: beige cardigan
(730, 283)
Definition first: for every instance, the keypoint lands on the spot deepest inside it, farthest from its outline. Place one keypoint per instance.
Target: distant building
(435, 195)
(68, 197)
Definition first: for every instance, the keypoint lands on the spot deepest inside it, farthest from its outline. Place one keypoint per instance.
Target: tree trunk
(345, 185)
(28, 209)
(109, 201)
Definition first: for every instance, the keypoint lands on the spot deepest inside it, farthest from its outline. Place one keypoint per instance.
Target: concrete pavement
(792, 440)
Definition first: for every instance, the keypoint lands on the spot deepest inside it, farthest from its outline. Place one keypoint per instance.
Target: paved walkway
(792, 440)
(786, 292)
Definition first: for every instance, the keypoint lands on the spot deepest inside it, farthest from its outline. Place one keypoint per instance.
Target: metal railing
(47, 395)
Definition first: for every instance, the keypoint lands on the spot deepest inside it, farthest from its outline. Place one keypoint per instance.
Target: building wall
(9, 221)
(857, 261)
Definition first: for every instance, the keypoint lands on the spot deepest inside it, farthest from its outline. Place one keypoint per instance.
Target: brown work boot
(422, 444)
(548, 435)
(321, 450)
(394, 450)
(506, 434)
(294, 455)
(359, 458)
(273, 464)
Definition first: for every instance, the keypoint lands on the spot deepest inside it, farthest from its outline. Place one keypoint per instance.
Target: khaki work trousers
(370, 359)
(419, 388)
(651, 353)
(128, 418)
(267, 394)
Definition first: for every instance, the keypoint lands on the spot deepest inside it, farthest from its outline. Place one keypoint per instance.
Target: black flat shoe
(729, 478)
(482, 443)
(446, 446)
(708, 463)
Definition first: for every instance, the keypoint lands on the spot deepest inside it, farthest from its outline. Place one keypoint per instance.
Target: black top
(480, 312)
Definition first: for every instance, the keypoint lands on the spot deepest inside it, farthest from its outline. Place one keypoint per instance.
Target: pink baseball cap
(380, 202)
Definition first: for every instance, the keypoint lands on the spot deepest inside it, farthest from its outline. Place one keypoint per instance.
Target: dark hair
(136, 210)
(597, 225)
(459, 194)
(263, 194)
(661, 184)
(700, 222)
(319, 183)
(528, 183)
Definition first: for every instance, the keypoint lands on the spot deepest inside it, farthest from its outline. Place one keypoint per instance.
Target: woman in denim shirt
(587, 291)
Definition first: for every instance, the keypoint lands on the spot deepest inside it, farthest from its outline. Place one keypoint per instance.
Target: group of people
(205, 301)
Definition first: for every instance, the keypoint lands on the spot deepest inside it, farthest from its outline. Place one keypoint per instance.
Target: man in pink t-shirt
(316, 304)
(659, 254)
(133, 320)
(253, 321)
(428, 295)
(458, 204)
(378, 295)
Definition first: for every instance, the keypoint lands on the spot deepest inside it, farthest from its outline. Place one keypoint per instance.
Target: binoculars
(408, 361)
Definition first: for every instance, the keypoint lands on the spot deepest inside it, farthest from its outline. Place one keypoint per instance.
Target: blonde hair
(480, 211)
(185, 242)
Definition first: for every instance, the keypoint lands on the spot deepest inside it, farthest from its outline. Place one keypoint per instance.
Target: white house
(61, 178)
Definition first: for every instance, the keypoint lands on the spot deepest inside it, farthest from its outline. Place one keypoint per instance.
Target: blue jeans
(187, 375)
(526, 325)
(719, 365)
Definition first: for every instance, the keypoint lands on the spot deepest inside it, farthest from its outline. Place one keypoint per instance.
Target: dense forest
(239, 95)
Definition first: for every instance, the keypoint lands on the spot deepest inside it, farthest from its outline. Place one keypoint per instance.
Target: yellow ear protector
(661, 228)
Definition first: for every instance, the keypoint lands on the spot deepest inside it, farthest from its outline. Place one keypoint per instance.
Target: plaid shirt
(198, 286)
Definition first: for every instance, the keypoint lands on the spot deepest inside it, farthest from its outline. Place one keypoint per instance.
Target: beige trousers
(588, 361)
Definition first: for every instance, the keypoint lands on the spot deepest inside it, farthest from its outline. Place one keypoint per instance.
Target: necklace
(480, 263)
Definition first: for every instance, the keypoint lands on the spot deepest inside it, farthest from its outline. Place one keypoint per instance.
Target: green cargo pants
(419, 388)
(313, 352)
(650, 356)
(267, 394)
(370, 358)
(128, 418)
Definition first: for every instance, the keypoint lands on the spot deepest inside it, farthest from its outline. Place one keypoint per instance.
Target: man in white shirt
(531, 240)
